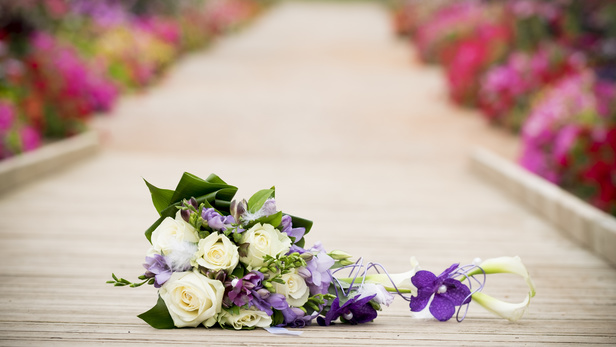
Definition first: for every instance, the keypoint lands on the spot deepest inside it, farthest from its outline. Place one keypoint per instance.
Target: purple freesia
(240, 290)
(448, 293)
(287, 228)
(316, 273)
(157, 266)
(265, 301)
(249, 290)
(297, 318)
(215, 220)
(356, 310)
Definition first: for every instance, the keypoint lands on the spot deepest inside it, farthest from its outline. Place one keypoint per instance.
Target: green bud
(263, 269)
(340, 255)
(345, 262)
(312, 305)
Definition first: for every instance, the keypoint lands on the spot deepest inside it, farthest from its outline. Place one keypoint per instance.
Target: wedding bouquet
(244, 264)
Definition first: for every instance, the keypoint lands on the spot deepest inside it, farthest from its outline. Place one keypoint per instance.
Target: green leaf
(301, 222)
(158, 316)
(222, 199)
(161, 198)
(273, 219)
(193, 186)
(239, 271)
(277, 318)
(171, 211)
(234, 310)
(258, 199)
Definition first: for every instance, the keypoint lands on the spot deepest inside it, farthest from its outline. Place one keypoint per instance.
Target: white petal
(507, 310)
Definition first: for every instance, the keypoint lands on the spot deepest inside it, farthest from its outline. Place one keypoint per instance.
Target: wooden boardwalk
(322, 101)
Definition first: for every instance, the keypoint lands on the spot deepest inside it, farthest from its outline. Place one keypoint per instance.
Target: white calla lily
(512, 265)
(507, 310)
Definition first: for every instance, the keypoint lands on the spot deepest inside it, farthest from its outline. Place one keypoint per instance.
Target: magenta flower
(447, 291)
(30, 139)
(7, 116)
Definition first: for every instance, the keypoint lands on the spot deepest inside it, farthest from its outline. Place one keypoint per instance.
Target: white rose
(170, 233)
(217, 252)
(192, 299)
(294, 289)
(264, 240)
(246, 318)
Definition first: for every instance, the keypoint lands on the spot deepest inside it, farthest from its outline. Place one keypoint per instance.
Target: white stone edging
(25, 167)
(587, 225)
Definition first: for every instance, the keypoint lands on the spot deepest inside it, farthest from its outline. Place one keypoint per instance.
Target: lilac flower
(448, 293)
(287, 228)
(316, 273)
(215, 220)
(156, 266)
(355, 311)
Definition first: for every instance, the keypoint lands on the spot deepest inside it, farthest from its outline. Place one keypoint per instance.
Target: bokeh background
(543, 70)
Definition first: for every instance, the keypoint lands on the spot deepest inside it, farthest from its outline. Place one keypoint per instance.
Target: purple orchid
(448, 293)
(287, 228)
(215, 220)
(157, 266)
(356, 310)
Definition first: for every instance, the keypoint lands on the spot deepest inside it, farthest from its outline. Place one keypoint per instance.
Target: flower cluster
(244, 264)
(506, 89)
(516, 60)
(63, 61)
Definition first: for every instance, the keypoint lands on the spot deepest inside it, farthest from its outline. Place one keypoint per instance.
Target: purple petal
(449, 270)
(333, 313)
(423, 279)
(278, 301)
(161, 278)
(420, 301)
(442, 308)
(456, 292)
(362, 311)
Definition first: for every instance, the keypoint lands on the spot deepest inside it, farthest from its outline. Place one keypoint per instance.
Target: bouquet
(243, 264)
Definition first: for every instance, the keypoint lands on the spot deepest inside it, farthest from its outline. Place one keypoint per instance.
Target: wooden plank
(354, 135)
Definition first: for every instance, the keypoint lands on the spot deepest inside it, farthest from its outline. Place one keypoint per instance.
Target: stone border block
(585, 224)
(26, 167)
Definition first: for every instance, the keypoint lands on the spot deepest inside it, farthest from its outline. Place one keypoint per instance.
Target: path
(322, 101)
